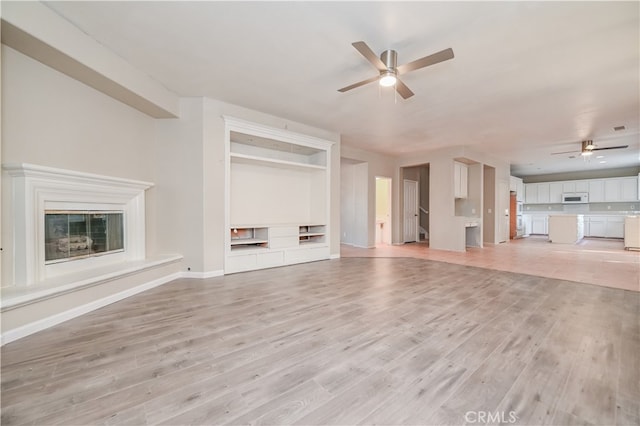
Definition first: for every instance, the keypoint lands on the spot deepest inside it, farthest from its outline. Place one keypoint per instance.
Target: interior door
(503, 211)
(411, 229)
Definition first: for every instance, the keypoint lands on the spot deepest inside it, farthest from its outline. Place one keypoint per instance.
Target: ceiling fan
(389, 70)
(587, 148)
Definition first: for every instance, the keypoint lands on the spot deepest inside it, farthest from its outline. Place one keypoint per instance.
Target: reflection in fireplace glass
(75, 234)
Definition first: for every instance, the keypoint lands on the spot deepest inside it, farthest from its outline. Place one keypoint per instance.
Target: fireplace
(72, 235)
(66, 221)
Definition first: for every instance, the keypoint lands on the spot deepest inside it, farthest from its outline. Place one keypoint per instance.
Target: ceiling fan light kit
(387, 79)
(387, 65)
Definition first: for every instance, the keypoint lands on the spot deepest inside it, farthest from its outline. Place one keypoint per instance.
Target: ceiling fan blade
(610, 147)
(366, 51)
(360, 83)
(402, 88)
(565, 152)
(441, 56)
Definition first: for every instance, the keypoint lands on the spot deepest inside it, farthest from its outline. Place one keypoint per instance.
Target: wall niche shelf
(277, 186)
(309, 234)
(248, 238)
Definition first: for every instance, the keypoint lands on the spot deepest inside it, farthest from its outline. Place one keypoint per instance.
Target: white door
(503, 211)
(411, 211)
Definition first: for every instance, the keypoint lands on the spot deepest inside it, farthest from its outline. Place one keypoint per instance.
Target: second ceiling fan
(389, 70)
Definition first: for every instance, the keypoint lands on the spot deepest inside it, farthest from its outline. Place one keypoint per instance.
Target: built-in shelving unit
(249, 238)
(311, 234)
(278, 187)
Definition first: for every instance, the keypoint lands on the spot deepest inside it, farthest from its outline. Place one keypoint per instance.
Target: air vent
(619, 128)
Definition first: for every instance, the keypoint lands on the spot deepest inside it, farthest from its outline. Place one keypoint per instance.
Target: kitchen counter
(566, 228)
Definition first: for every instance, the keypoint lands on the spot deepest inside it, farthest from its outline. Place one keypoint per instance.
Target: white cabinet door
(582, 186)
(615, 227)
(629, 189)
(526, 223)
(597, 226)
(555, 192)
(539, 224)
(543, 193)
(569, 186)
(460, 178)
(612, 190)
(530, 193)
(596, 191)
(520, 191)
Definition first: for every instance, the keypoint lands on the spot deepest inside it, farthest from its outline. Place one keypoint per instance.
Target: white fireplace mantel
(35, 189)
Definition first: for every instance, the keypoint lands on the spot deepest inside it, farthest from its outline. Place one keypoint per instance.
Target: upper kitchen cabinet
(517, 185)
(608, 190)
(575, 186)
(460, 180)
(555, 192)
(620, 189)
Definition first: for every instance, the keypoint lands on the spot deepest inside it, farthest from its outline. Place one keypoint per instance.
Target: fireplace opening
(71, 235)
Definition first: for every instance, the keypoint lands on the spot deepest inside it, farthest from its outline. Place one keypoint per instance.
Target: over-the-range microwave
(575, 197)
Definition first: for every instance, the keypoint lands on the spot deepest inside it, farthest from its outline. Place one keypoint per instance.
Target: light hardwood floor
(598, 261)
(347, 341)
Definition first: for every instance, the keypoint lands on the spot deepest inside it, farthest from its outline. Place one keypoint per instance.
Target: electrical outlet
(608, 207)
(473, 211)
(489, 211)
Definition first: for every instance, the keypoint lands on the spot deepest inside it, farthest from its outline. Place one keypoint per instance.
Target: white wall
(354, 202)
(446, 231)
(191, 149)
(52, 120)
(376, 165)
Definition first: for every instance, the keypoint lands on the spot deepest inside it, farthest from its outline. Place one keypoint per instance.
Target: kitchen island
(566, 228)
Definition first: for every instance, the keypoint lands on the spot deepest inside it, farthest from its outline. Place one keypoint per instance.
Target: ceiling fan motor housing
(390, 59)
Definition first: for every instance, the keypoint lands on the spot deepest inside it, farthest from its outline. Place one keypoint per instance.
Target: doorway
(411, 211)
(383, 210)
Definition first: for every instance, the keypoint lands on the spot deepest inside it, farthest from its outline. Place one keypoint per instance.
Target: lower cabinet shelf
(258, 247)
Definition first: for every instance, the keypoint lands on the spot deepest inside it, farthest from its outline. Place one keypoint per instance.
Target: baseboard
(334, 256)
(202, 275)
(36, 326)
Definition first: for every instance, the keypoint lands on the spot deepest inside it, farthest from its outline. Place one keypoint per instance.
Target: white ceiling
(528, 78)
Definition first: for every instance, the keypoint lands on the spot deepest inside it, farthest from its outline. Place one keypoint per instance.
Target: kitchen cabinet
(604, 226)
(575, 186)
(536, 193)
(621, 189)
(614, 227)
(460, 180)
(530, 193)
(543, 193)
(609, 190)
(629, 188)
(596, 191)
(520, 191)
(596, 226)
(526, 224)
(555, 192)
(539, 224)
(517, 185)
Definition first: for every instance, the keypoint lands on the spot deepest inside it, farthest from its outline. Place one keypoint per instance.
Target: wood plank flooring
(347, 341)
(598, 261)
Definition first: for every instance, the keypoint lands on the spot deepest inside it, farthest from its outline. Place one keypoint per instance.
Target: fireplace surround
(60, 219)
